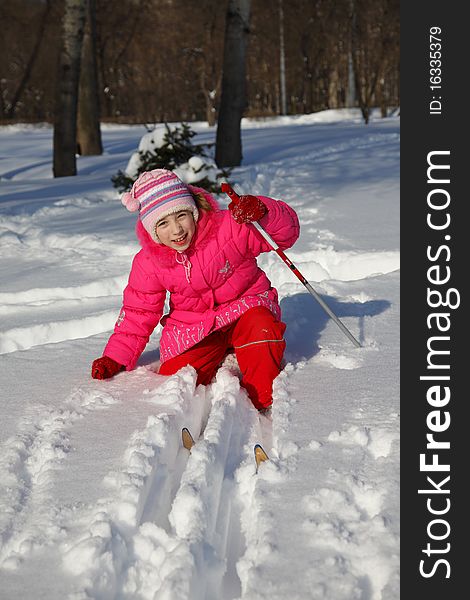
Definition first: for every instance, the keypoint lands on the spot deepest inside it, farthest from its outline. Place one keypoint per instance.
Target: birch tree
(65, 114)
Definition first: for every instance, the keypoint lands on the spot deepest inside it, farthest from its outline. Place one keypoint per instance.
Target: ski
(260, 455)
(188, 443)
(187, 438)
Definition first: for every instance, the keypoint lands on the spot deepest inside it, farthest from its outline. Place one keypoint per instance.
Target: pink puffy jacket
(211, 284)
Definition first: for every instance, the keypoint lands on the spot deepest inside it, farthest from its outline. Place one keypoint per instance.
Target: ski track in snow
(175, 524)
(28, 463)
(170, 527)
(30, 317)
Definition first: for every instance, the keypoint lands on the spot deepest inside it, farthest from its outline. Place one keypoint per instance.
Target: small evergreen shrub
(173, 149)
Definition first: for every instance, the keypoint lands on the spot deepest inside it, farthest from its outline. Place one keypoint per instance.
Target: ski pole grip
(227, 189)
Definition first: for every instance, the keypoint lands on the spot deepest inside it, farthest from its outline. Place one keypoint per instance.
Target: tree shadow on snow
(306, 319)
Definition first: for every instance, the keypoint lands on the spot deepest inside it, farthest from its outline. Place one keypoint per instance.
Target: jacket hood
(205, 230)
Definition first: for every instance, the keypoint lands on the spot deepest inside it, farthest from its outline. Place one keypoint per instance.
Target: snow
(197, 169)
(98, 498)
(194, 170)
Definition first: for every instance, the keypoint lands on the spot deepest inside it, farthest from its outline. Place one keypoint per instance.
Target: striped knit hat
(156, 194)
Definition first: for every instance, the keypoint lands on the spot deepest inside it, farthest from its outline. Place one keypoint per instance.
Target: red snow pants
(256, 337)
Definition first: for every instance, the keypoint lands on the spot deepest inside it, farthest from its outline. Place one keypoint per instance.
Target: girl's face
(176, 230)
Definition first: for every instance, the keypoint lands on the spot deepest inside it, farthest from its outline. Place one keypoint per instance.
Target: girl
(220, 300)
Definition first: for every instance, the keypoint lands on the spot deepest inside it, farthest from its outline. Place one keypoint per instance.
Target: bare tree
(233, 98)
(88, 122)
(282, 60)
(65, 117)
(30, 64)
(374, 33)
(351, 89)
(202, 64)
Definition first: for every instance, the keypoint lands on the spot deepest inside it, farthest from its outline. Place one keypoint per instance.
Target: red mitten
(105, 367)
(247, 209)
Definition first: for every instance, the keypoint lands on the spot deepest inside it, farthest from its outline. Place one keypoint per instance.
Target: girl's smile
(176, 230)
(181, 240)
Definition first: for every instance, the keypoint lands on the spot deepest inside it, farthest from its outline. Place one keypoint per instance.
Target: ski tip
(187, 438)
(260, 455)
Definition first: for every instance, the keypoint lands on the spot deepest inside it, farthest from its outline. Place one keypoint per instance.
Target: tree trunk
(333, 86)
(351, 93)
(361, 87)
(211, 111)
(65, 115)
(381, 98)
(233, 98)
(282, 60)
(88, 123)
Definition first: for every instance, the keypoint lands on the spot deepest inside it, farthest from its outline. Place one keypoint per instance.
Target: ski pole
(225, 187)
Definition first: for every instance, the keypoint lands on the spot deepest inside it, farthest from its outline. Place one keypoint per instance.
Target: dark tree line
(179, 60)
(161, 60)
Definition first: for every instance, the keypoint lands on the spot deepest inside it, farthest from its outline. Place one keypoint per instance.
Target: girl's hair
(201, 202)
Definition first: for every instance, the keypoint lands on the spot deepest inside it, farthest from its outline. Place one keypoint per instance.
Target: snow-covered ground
(98, 498)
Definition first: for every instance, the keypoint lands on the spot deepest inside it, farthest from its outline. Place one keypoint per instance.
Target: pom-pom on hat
(156, 194)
